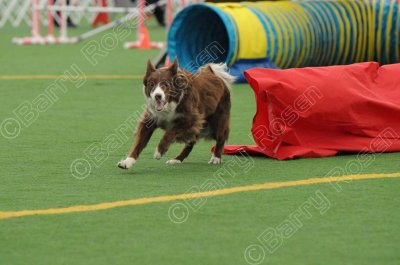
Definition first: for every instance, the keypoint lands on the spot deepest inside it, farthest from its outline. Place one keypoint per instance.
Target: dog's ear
(150, 68)
(174, 67)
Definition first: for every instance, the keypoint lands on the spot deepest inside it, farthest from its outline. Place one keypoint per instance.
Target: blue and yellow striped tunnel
(286, 34)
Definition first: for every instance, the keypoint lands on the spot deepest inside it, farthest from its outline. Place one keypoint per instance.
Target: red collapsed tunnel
(320, 111)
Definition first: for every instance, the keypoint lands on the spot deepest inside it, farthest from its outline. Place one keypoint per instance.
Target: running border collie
(187, 107)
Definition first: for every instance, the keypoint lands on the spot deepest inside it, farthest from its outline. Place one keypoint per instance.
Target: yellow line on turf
(45, 77)
(187, 196)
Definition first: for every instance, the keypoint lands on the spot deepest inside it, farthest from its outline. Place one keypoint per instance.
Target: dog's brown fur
(196, 106)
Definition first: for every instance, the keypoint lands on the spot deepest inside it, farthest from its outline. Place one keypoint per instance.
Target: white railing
(18, 12)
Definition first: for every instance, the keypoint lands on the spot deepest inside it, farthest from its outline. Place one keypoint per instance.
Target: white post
(63, 21)
(35, 19)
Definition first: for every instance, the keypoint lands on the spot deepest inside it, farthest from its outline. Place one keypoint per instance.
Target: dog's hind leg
(220, 127)
(220, 142)
(183, 155)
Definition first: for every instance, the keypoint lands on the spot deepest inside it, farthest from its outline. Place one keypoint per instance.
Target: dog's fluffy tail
(221, 70)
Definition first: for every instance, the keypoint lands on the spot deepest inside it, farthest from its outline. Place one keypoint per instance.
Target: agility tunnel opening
(193, 33)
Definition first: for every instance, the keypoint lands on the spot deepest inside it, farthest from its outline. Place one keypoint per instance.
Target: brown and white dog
(187, 106)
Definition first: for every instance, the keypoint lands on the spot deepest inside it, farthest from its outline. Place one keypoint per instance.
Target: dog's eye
(150, 84)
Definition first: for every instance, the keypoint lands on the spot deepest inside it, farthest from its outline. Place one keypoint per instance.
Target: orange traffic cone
(102, 17)
(143, 42)
(167, 61)
(144, 39)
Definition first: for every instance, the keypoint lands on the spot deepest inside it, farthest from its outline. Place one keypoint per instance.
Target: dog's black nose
(158, 97)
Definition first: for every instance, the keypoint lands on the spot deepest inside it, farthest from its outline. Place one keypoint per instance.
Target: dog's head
(163, 86)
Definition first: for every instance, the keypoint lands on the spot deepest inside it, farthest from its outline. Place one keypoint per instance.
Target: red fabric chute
(320, 111)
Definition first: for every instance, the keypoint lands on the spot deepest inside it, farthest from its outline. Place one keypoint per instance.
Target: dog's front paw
(157, 155)
(173, 161)
(127, 163)
(214, 160)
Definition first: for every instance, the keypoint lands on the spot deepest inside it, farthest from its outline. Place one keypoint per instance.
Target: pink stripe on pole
(169, 12)
(50, 21)
(35, 19)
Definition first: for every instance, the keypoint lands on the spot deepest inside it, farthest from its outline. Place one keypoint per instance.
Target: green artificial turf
(360, 226)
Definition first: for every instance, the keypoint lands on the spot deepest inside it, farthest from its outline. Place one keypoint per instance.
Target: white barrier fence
(17, 13)
(43, 15)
